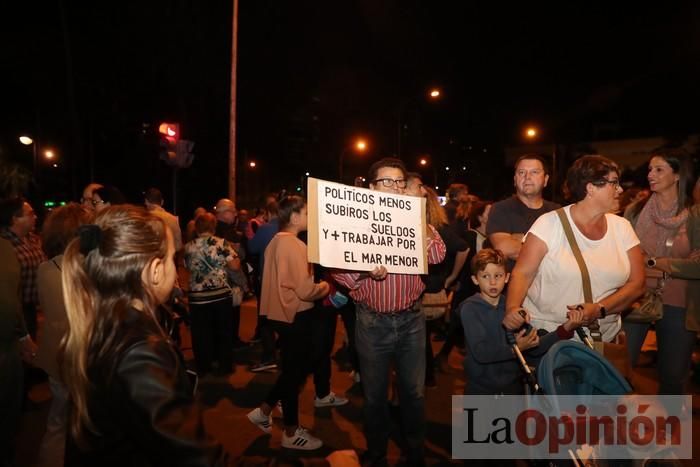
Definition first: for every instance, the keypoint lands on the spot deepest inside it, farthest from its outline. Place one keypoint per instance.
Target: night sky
(92, 80)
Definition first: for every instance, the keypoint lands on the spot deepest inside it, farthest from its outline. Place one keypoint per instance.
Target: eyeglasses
(615, 183)
(390, 182)
(95, 202)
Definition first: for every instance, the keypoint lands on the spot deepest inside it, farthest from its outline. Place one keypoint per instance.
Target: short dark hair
(287, 206)
(9, 208)
(111, 194)
(587, 169)
(385, 162)
(487, 256)
(410, 175)
(61, 226)
(455, 189)
(272, 209)
(532, 156)
(153, 196)
(477, 210)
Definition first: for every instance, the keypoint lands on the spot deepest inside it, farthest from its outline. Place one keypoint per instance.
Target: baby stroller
(571, 368)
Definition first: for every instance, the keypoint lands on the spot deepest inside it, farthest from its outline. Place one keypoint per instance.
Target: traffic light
(169, 136)
(174, 151)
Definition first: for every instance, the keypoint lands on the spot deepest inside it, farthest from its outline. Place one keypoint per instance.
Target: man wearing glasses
(390, 327)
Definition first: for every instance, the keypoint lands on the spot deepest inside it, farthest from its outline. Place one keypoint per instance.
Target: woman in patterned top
(207, 258)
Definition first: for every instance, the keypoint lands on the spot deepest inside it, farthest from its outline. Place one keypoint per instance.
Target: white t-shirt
(558, 280)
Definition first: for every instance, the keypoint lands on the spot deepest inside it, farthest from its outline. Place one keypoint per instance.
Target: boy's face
(491, 280)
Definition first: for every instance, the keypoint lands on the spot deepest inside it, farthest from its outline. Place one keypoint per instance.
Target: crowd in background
(115, 283)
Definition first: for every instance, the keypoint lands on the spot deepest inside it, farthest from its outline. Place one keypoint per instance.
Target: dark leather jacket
(142, 406)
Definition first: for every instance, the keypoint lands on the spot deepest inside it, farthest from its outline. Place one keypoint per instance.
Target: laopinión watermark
(581, 427)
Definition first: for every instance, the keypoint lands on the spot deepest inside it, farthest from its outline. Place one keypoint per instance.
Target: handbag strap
(585, 276)
(211, 268)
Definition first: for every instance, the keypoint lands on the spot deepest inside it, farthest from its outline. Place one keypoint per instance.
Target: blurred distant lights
(437, 187)
(447, 169)
(434, 93)
(26, 140)
(55, 166)
(361, 145)
(252, 164)
(307, 174)
(464, 167)
(49, 154)
(423, 162)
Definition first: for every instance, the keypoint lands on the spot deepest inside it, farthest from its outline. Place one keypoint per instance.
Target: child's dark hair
(287, 206)
(485, 257)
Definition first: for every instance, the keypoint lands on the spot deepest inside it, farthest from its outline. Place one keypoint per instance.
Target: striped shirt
(30, 255)
(397, 292)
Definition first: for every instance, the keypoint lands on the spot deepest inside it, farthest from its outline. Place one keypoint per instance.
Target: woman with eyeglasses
(660, 222)
(546, 280)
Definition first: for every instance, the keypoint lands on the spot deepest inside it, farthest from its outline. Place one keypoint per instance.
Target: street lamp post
(28, 141)
(433, 94)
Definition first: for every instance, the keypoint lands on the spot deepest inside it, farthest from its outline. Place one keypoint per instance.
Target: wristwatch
(602, 310)
(651, 262)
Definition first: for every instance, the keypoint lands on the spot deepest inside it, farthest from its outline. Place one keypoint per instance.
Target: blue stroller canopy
(571, 368)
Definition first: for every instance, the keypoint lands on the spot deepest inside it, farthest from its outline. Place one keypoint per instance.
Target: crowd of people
(103, 274)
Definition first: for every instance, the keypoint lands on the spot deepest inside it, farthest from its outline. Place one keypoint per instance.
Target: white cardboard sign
(359, 229)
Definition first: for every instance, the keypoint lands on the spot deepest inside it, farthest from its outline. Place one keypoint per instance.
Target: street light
(433, 94)
(531, 132)
(360, 146)
(49, 154)
(26, 140)
(252, 164)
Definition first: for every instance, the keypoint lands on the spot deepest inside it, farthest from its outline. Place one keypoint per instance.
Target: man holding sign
(390, 327)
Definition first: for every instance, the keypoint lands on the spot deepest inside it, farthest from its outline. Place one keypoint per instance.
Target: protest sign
(359, 229)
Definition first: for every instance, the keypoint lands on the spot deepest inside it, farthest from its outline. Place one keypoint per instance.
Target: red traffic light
(171, 131)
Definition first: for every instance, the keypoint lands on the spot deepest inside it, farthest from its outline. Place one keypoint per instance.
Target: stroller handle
(584, 337)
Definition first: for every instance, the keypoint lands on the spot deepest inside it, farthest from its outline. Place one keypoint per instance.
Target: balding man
(87, 199)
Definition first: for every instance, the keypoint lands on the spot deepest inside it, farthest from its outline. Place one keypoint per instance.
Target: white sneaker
(259, 419)
(331, 400)
(302, 440)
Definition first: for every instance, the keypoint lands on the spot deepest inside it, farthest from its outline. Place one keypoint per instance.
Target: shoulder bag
(616, 350)
(236, 291)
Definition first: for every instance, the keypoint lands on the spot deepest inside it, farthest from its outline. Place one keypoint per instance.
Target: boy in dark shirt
(491, 365)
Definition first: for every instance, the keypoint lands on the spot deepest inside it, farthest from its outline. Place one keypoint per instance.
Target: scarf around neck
(656, 226)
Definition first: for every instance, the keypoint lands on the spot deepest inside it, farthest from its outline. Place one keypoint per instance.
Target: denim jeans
(381, 339)
(675, 345)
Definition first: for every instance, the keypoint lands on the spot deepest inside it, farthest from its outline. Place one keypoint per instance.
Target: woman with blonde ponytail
(131, 398)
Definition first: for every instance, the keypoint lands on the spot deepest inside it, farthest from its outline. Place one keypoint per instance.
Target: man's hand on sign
(378, 274)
